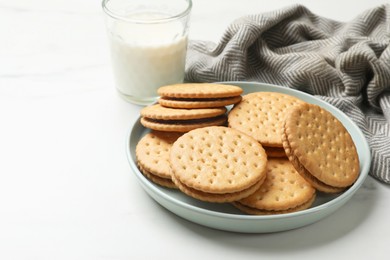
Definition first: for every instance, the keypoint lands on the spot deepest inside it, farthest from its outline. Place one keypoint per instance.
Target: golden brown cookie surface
(320, 147)
(152, 152)
(152, 155)
(261, 115)
(284, 189)
(217, 160)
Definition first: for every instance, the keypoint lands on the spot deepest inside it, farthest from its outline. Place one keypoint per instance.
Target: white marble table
(66, 190)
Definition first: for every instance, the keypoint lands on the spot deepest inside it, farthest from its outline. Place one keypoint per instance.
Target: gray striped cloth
(345, 63)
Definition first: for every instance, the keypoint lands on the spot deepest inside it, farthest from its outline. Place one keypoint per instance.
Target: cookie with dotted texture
(152, 155)
(320, 148)
(261, 115)
(284, 190)
(199, 90)
(218, 161)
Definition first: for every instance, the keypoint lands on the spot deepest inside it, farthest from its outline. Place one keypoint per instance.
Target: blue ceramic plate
(225, 216)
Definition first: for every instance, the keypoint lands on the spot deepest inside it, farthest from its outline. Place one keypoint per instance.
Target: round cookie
(198, 103)
(217, 161)
(320, 148)
(284, 190)
(199, 90)
(152, 154)
(164, 113)
(182, 125)
(261, 115)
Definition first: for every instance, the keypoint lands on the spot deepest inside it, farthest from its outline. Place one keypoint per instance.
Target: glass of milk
(148, 40)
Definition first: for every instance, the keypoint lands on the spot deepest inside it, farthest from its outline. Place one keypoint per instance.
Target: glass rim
(115, 15)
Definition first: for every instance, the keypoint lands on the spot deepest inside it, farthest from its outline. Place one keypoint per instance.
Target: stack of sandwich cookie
(217, 164)
(199, 95)
(184, 107)
(152, 154)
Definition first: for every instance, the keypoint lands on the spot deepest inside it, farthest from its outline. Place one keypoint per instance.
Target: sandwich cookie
(199, 95)
(261, 115)
(283, 191)
(320, 148)
(161, 118)
(152, 154)
(217, 164)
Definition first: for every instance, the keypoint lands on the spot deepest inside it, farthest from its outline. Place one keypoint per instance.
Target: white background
(66, 190)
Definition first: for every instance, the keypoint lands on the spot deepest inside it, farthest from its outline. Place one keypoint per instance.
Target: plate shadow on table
(344, 221)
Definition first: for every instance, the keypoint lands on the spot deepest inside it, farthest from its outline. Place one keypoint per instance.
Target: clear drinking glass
(148, 41)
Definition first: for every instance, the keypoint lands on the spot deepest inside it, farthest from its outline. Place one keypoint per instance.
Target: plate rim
(244, 217)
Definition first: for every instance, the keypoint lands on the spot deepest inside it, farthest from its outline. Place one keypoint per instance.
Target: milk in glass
(147, 56)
